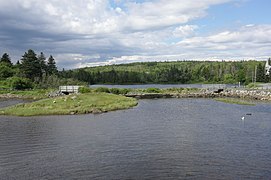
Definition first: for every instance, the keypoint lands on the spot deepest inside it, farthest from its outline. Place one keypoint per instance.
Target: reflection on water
(164, 138)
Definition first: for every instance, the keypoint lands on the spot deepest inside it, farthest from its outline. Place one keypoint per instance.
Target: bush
(18, 83)
(84, 90)
(102, 89)
(114, 91)
(5, 71)
(153, 90)
(119, 90)
(252, 85)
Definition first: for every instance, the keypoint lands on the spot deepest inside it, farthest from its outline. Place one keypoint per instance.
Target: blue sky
(100, 32)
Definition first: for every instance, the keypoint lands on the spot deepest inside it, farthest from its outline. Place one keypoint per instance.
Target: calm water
(143, 86)
(158, 139)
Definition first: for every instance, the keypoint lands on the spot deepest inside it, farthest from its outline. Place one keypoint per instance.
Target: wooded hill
(173, 72)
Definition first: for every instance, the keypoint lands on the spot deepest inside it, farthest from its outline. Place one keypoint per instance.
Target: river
(158, 139)
(163, 86)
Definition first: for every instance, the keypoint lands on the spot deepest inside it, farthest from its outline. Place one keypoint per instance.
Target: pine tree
(51, 66)
(30, 66)
(6, 60)
(42, 63)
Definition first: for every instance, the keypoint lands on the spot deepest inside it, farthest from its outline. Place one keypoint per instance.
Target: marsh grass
(235, 101)
(28, 94)
(72, 104)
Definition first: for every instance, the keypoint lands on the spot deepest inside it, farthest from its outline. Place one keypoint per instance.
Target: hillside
(173, 72)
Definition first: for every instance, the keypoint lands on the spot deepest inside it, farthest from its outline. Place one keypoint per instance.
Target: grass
(27, 94)
(235, 101)
(73, 104)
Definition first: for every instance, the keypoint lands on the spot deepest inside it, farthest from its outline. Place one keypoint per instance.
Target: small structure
(267, 67)
(69, 89)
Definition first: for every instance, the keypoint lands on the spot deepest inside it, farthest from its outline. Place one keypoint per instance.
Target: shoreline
(85, 103)
(261, 95)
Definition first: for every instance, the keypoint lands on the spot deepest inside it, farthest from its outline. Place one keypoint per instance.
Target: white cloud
(92, 32)
(185, 31)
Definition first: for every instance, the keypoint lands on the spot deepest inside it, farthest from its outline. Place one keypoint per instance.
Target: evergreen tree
(30, 66)
(42, 63)
(51, 66)
(6, 60)
(260, 73)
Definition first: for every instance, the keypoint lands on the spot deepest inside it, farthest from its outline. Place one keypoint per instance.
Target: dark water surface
(158, 139)
(163, 86)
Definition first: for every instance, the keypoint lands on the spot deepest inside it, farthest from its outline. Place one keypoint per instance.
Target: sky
(85, 33)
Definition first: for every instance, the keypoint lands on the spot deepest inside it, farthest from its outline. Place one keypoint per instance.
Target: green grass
(235, 101)
(27, 94)
(72, 104)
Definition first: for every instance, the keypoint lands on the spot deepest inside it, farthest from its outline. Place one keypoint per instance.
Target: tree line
(30, 70)
(34, 70)
(232, 72)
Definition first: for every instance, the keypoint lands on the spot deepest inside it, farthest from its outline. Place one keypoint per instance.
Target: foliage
(153, 90)
(5, 71)
(5, 59)
(102, 89)
(84, 89)
(51, 66)
(30, 66)
(119, 90)
(172, 72)
(18, 83)
(252, 85)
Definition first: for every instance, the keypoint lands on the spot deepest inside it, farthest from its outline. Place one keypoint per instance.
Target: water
(158, 139)
(10, 102)
(162, 86)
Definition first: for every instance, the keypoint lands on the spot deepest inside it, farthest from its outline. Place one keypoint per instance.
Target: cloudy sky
(81, 33)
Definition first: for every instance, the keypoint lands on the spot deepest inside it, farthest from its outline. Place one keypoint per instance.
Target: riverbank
(261, 95)
(105, 99)
(72, 104)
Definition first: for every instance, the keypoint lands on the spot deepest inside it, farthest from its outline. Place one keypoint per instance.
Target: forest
(185, 72)
(37, 71)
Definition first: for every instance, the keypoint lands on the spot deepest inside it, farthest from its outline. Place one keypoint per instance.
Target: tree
(20, 83)
(6, 60)
(42, 63)
(51, 66)
(30, 66)
(5, 71)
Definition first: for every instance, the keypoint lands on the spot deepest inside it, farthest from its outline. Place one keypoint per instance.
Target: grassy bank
(235, 101)
(73, 104)
(26, 94)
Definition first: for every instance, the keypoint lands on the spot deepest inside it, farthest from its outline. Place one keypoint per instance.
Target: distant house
(267, 67)
(69, 89)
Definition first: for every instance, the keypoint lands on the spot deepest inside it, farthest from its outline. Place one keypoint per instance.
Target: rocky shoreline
(263, 95)
(231, 93)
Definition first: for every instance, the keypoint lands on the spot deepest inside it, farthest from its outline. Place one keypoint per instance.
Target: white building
(267, 67)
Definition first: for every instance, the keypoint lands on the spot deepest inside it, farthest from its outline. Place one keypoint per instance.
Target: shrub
(114, 91)
(102, 89)
(84, 89)
(18, 83)
(119, 90)
(153, 90)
